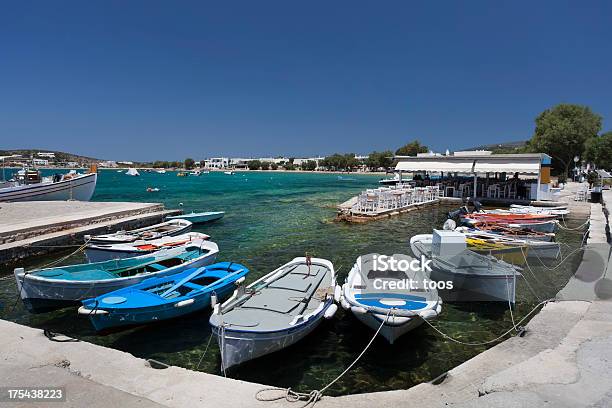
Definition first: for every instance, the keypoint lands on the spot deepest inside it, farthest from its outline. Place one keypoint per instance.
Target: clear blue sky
(147, 80)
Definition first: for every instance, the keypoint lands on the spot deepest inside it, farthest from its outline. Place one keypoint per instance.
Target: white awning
(480, 165)
(463, 166)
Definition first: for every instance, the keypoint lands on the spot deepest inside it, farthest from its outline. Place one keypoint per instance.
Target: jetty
(383, 202)
(41, 227)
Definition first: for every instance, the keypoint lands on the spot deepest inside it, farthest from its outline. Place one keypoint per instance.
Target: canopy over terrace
(536, 165)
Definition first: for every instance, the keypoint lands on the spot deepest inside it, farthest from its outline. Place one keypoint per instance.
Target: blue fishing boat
(199, 218)
(163, 298)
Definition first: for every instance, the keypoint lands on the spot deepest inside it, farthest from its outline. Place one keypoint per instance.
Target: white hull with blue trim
(393, 312)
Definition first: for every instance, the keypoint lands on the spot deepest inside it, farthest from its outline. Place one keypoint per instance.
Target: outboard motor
(458, 212)
(477, 206)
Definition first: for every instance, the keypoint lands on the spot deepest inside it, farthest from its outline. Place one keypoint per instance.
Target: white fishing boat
(275, 311)
(29, 185)
(199, 217)
(391, 181)
(528, 210)
(132, 172)
(53, 288)
(103, 252)
(474, 277)
(394, 311)
(535, 209)
(160, 171)
(229, 173)
(168, 228)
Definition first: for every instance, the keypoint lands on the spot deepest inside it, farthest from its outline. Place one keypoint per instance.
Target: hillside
(505, 147)
(59, 156)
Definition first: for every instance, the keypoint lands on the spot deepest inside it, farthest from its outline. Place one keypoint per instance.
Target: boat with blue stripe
(163, 298)
(392, 311)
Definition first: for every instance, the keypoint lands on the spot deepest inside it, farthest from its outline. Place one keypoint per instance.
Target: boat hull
(391, 330)
(475, 287)
(239, 346)
(198, 219)
(141, 316)
(80, 188)
(41, 295)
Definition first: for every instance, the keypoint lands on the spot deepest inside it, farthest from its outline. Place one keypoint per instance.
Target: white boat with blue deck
(393, 311)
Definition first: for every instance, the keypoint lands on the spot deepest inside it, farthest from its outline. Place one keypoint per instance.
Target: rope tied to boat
(311, 398)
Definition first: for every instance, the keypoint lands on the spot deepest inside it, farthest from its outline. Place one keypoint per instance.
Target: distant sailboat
(132, 172)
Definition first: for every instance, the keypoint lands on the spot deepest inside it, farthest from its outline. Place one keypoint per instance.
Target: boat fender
(84, 311)
(213, 300)
(331, 311)
(240, 281)
(358, 310)
(337, 293)
(185, 302)
(217, 309)
(344, 303)
(439, 308)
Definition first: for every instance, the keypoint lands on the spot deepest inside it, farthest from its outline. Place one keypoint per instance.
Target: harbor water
(272, 217)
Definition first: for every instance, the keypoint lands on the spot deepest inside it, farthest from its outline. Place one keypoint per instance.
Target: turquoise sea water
(270, 219)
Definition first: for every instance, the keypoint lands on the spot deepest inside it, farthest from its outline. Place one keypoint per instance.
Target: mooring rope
(484, 343)
(313, 396)
(205, 350)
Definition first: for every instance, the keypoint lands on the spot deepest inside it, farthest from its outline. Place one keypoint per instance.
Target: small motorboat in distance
(199, 218)
(394, 311)
(163, 298)
(275, 311)
(132, 172)
(105, 252)
(165, 229)
(229, 173)
(152, 189)
(390, 181)
(53, 288)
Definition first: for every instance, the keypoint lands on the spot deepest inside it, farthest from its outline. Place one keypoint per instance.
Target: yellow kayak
(514, 254)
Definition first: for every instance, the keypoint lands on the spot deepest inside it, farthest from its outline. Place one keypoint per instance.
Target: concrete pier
(39, 227)
(563, 360)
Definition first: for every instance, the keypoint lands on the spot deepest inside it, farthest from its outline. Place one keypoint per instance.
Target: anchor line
(311, 398)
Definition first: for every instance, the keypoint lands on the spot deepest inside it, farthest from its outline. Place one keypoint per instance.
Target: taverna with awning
(481, 174)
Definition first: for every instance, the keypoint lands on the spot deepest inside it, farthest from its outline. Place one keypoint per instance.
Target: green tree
(189, 163)
(273, 166)
(309, 165)
(411, 149)
(265, 165)
(254, 165)
(561, 132)
(289, 166)
(598, 150)
(377, 160)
